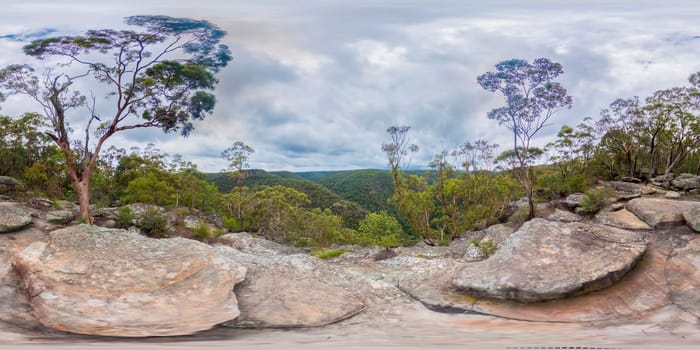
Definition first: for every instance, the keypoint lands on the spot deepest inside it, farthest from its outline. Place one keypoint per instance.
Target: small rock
(473, 253)
(692, 218)
(573, 200)
(109, 223)
(672, 195)
(8, 183)
(564, 216)
(615, 207)
(625, 190)
(13, 217)
(59, 216)
(42, 203)
(686, 182)
(630, 179)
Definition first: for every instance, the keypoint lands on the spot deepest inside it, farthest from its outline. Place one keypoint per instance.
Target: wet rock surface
(548, 260)
(90, 280)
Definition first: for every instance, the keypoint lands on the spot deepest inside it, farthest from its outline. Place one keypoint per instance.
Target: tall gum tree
(531, 98)
(160, 77)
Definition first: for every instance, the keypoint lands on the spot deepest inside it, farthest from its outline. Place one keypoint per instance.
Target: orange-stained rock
(91, 280)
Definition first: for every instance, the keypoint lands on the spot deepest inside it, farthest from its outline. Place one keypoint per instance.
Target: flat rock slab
(92, 280)
(621, 219)
(684, 277)
(564, 216)
(641, 291)
(692, 218)
(546, 260)
(625, 190)
(13, 217)
(660, 213)
(291, 291)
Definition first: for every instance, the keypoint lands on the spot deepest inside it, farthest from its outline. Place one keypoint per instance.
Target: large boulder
(625, 190)
(660, 213)
(573, 200)
(92, 280)
(291, 291)
(13, 217)
(686, 182)
(7, 183)
(548, 260)
(564, 216)
(621, 219)
(692, 218)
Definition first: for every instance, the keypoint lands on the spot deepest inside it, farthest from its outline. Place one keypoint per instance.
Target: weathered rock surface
(288, 291)
(59, 216)
(93, 280)
(692, 218)
(685, 277)
(660, 213)
(625, 190)
(672, 195)
(246, 243)
(13, 217)
(573, 200)
(548, 260)
(621, 219)
(7, 183)
(564, 216)
(686, 182)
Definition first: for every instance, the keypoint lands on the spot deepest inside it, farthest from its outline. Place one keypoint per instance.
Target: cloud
(314, 85)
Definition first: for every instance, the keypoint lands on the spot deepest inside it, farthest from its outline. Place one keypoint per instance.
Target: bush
(327, 254)
(380, 229)
(202, 230)
(595, 199)
(231, 223)
(486, 246)
(154, 223)
(125, 217)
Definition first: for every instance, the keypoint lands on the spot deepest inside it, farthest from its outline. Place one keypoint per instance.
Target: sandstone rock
(672, 195)
(573, 200)
(625, 190)
(7, 183)
(621, 219)
(630, 179)
(686, 182)
(191, 222)
(564, 216)
(42, 203)
(548, 260)
(692, 218)
(289, 291)
(684, 277)
(660, 213)
(59, 216)
(473, 253)
(245, 242)
(13, 217)
(92, 280)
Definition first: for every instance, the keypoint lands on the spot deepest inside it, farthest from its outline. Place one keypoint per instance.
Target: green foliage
(149, 189)
(125, 217)
(231, 223)
(380, 229)
(202, 230)
(519, 216)
(328, 253)
(595, 199)
(487, 246)
(154, 223)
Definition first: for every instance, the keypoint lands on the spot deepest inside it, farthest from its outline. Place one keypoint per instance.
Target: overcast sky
(315, 84)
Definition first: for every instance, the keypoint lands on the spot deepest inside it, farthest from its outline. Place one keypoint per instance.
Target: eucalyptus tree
(532, 97)
(158, 77)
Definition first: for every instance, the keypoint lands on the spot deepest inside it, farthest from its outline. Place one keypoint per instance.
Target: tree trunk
(83, 189)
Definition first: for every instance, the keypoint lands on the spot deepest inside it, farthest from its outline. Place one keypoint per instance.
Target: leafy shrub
(380, 229)
(486, 246)
(125, 217)
(231, 223)
(154, 223)
(595, 199)
(202, 230)
(327, 254)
